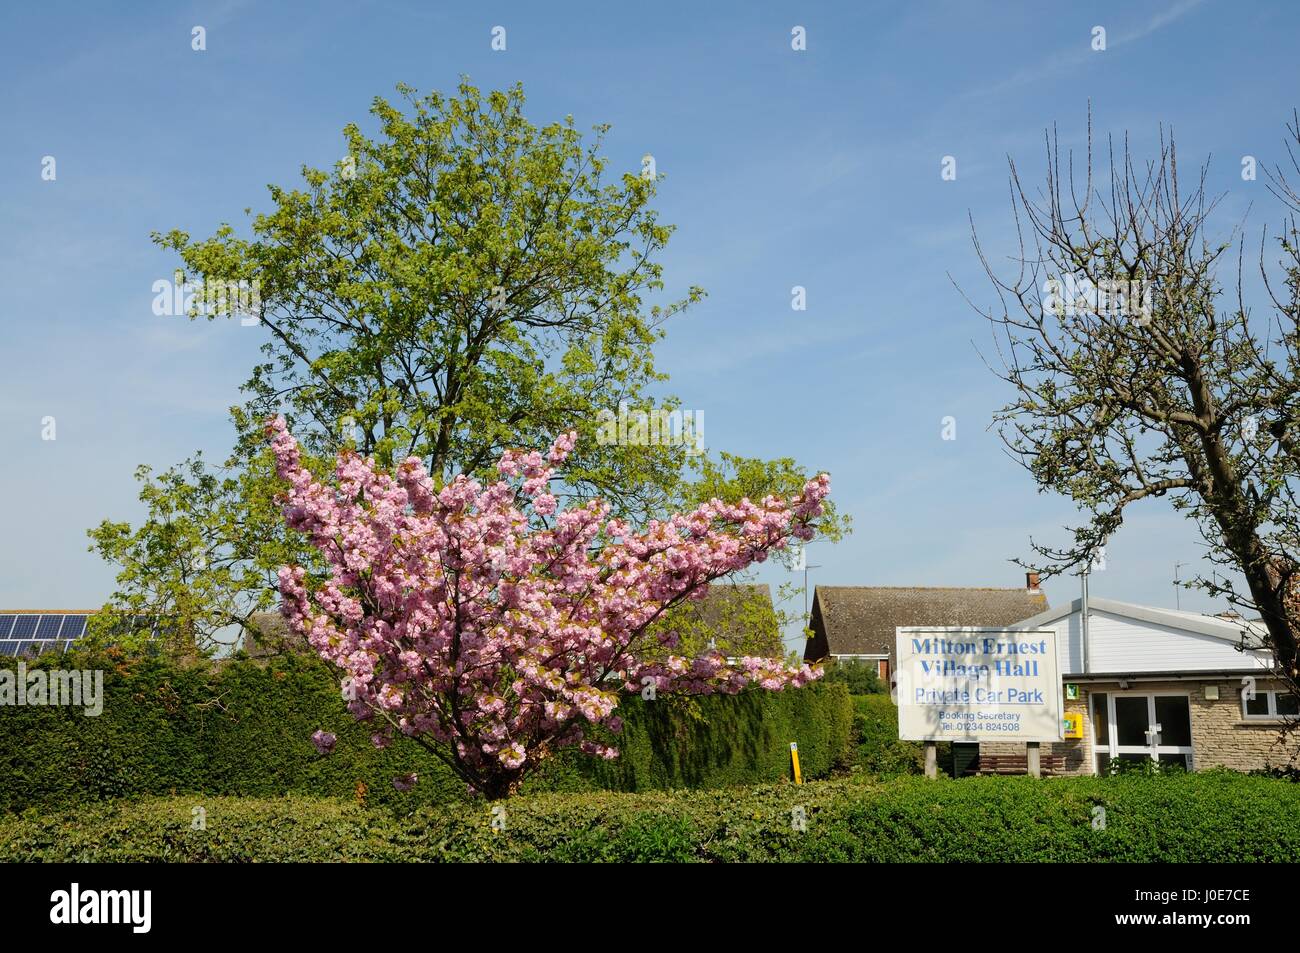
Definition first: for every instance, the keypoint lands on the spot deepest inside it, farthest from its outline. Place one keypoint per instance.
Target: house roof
(723, 595)
(860, 620)
(740, 618)
(1216, 627)
(268, 633)
(33, 631)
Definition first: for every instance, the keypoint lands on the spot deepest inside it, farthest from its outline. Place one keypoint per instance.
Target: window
(1100, 720)
(878, 662)
(1131, 721)
(1129, 727)
(1175, 722)
(1269, 706)
(1258, 706)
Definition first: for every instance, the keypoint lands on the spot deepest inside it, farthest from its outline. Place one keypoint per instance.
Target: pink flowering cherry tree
(494, 627)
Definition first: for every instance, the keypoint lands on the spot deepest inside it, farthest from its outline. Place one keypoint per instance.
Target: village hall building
(1165, 685)
(1148, 683)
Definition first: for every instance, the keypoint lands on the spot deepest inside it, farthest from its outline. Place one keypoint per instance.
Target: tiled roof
(860, 620)
(724, 608)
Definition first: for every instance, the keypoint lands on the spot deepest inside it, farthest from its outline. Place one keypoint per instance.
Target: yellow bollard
(794, 758)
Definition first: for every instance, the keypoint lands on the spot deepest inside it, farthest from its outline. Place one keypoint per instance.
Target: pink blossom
(433, 595)
(512, 756)
(324, 741)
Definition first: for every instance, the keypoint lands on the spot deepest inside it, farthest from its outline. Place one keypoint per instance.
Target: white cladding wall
(1122, 646)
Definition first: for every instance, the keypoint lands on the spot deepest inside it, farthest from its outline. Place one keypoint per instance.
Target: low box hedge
(1211, 817)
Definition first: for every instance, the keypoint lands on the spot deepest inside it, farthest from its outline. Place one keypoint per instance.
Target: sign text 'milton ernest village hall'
(978, 684)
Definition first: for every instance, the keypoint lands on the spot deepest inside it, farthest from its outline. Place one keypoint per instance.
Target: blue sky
(817, 168)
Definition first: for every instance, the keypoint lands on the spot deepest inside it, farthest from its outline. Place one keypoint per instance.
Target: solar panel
(34, 633)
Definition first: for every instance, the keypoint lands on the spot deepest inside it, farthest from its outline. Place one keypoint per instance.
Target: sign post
(977, 684)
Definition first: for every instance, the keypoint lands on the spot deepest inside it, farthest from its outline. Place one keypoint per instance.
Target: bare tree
(1138, 375)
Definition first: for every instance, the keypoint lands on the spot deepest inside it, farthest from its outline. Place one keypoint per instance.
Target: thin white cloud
(1069, 59)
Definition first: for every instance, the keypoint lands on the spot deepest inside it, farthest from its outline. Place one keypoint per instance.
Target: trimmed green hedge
(1217, 816)
(243, 728)
(875, 735)
(877, 747)
(719, 741)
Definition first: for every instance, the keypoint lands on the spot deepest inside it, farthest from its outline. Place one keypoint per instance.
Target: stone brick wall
(1220, 736)
(1076, 752)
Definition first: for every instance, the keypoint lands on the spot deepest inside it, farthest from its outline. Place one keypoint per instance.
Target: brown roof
(860, 620)
(268, 633)
(740, 619)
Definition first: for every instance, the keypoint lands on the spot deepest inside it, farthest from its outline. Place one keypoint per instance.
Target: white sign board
(977, 684)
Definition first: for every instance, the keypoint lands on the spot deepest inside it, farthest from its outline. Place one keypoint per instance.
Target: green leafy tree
(204, 560)
(461, 283)
(860, 677)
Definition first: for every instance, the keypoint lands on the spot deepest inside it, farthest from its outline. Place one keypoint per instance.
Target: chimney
(1031, 581)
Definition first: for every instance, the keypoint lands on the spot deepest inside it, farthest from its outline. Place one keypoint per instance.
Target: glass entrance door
(1131, 727)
